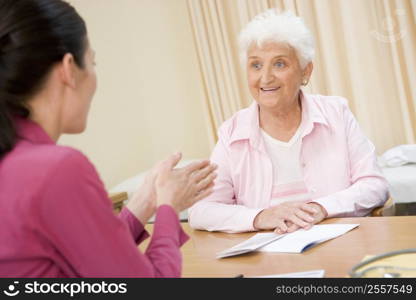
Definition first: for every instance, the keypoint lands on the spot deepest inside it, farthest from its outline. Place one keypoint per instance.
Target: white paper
(307, 274)
(251, 244)
(301, 240)
(295, 242)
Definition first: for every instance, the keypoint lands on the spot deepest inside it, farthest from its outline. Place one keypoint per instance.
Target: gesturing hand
(182, 187)
(143, 202)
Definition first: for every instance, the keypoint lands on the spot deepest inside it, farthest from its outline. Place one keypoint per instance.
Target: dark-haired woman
(55, 217)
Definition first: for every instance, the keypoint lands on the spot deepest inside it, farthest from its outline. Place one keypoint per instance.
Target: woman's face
(76, 112)
(274, 75)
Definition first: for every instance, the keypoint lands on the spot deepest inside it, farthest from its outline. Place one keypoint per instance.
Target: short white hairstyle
(286, 28)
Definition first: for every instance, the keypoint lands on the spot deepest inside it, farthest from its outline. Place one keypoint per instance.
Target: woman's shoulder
(328, 105)
(39, 167)
(238, 123)
(48, 158)
(52, 153)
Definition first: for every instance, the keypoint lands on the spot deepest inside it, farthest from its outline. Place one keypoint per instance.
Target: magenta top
(56, 219)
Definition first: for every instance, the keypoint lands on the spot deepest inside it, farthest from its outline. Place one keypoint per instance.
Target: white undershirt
(288, 183)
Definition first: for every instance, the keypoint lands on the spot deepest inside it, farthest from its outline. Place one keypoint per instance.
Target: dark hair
(34, 35)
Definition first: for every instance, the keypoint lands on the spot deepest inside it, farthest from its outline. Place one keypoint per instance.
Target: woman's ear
(308, 71)
(68, 70)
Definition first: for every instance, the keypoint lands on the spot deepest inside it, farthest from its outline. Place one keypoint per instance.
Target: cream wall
(148, 102)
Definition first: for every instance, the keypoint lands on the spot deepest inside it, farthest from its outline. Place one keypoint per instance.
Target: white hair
(286, 28)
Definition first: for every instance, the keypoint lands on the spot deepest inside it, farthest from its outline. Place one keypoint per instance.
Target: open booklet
(295, 242)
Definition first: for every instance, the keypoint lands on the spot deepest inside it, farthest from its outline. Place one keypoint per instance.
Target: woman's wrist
(322, 209)
(257, 221)
(142, 209)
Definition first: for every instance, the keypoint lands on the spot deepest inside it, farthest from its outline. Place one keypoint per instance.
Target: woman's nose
(267, 76)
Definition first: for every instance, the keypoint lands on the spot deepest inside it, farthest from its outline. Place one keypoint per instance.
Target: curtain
(365, 52)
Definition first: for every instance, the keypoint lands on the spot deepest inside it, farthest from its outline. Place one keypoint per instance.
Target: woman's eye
(256, 66)
(280, 64)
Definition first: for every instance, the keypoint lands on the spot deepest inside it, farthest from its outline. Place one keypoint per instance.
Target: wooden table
(118, 200)
(375, 235)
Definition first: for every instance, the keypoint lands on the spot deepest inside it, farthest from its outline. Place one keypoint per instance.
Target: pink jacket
(339, 167)
(56, 219)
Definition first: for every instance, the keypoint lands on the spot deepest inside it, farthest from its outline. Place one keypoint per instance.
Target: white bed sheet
(402, 183)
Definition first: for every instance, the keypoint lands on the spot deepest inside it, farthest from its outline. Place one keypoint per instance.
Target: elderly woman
(290, 159)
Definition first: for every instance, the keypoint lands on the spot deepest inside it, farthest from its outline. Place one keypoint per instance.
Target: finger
(203, 194)
(309, 208)
(211, 185)
(297, 221)
(206, 181)
(309, 226)
(158, 167)
(192, 167)
(292, 228)
(304, 216)
(171, 161)
(199, 175)
(281, 227)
